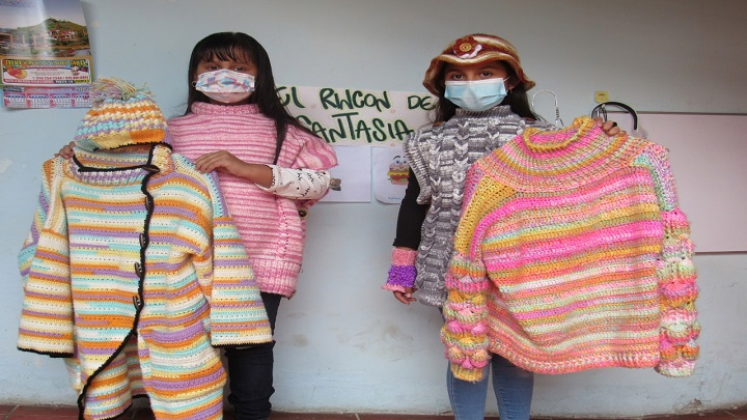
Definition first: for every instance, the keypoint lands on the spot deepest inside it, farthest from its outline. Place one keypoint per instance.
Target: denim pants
(250, 372)
(512, 386)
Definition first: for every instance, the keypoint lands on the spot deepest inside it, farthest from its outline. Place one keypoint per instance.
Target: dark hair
(517, 99)
(234, 46)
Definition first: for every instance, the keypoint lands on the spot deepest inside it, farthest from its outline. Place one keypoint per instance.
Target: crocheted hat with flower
(121, 115)
(473, 49)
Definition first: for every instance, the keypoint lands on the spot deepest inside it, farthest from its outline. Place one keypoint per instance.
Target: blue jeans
(250, 372)
(512, 386)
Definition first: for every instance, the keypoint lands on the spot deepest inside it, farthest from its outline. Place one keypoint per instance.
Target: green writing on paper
(353, 99)
(420, 102)
(290, 97)
(350, 127)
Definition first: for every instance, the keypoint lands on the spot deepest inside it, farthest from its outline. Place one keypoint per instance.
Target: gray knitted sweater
(440, 156)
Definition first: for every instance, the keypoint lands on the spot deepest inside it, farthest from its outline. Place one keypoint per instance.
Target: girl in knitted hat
(270, 170)
(482, 103)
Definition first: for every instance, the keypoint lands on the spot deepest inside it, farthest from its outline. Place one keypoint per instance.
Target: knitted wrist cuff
(394, 288)
(401, 275)
(404, 256)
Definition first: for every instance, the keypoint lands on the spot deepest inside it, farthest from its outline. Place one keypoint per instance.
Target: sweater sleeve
(465, 332)
(411, 216)
(314, 154)
(237, 315)
(46, 325)
(676, 273)
(298, 184)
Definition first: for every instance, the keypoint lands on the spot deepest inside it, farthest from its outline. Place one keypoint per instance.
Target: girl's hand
(406, 296)
(221, 160)
(66, 152)
(226, 162)
(610, 128)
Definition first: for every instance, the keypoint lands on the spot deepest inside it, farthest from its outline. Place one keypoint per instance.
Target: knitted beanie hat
(121, 115)
(473, 49)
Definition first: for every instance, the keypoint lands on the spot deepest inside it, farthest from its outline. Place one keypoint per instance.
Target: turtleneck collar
(124, 165)
(204, 108)
(496, 110)
(540, 160)
(582, 131)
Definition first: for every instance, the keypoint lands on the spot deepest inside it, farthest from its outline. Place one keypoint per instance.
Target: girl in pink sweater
(271, 170)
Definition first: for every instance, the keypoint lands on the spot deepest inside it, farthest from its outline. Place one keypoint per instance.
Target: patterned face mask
(225, 86)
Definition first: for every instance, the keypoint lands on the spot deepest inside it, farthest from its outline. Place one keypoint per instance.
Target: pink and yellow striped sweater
(572, 254)
(270, 226)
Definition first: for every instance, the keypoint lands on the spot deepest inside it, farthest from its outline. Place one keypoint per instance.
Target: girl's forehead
(483, 65)
(233, 54)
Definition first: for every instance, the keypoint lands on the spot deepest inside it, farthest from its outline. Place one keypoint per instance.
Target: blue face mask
(476, 95)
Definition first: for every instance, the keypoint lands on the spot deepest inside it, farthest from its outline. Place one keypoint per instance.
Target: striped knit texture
(402, 271)
(272, 231)
(572, 254)
(440, 157)
(145, 249)
(120, 118)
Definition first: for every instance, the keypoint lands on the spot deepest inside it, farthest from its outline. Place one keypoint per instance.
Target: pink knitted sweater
(270, 226)
(572, 253)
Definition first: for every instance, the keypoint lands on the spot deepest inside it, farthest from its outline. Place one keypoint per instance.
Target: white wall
(344, 344)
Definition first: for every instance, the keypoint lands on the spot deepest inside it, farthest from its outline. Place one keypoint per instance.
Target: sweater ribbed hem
(276, 276)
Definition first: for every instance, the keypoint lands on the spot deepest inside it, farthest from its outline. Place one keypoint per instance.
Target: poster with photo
(45, 56)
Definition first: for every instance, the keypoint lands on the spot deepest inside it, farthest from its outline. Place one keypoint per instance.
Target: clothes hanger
(558, 122)
(601, 109)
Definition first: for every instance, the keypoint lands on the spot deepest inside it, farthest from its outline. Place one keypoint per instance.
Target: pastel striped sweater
(134, 272)
(572, 254)
(271, 228)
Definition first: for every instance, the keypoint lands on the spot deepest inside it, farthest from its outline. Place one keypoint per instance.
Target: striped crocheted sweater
(270, 226)
(572, 254)
(135, 272)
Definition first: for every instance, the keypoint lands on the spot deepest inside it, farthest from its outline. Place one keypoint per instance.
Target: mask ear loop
(558, 122)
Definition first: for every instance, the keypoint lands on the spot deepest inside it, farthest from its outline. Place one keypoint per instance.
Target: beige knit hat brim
(493, 48)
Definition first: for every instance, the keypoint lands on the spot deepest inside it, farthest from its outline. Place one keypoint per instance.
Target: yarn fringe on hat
(122, 115)
(112, 87)
(473, 49)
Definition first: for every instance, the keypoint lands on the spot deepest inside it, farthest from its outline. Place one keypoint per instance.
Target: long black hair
(517, 99)
(237, 46)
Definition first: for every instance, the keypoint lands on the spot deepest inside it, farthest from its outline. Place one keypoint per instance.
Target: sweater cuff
(469, 375)
(402, 273)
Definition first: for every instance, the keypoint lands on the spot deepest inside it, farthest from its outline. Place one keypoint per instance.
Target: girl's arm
(402, 272)
(225, 161)
(298, 184)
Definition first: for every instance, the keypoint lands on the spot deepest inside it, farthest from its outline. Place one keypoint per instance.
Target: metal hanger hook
(558, 121)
